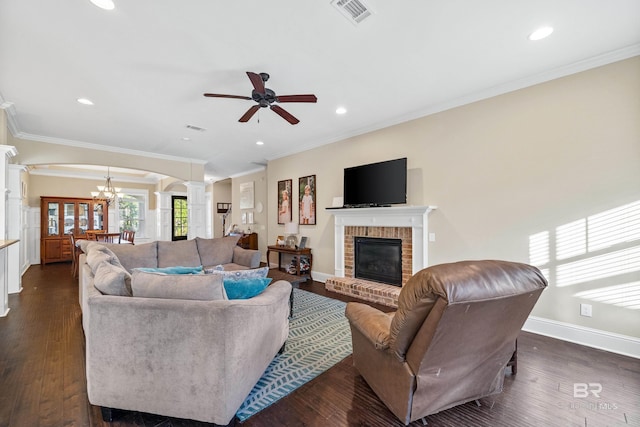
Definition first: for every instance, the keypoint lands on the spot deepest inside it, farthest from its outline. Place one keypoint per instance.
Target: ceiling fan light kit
(266, 97)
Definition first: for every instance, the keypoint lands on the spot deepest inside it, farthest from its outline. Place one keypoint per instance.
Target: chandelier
(107, 192)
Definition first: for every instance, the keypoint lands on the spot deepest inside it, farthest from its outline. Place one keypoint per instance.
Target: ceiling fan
(265, 97)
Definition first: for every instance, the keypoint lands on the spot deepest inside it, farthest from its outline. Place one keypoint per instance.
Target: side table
(297, 252)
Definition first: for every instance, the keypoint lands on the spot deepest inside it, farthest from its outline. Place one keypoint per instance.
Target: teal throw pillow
(245, 288)
(173, 270)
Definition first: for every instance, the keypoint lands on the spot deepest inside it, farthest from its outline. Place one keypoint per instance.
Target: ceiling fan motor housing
(264, 99)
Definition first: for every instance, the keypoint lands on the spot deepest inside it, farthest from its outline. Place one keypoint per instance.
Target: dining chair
(127, 236)
(74, 261)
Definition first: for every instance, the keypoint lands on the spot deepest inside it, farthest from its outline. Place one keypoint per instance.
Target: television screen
(376, 184)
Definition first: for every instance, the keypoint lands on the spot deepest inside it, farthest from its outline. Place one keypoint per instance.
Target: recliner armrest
(371, 322)
(247, 257)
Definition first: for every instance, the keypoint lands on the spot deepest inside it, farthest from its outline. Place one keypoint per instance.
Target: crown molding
(10, 109)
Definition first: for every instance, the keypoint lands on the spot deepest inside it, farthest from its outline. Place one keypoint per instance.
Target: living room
(504, 171)
(528, 167)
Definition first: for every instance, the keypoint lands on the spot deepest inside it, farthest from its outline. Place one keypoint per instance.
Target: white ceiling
(147, 63)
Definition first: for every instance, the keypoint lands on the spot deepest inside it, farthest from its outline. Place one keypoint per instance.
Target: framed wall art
(307, 199)
(284, 201)
(246, 195)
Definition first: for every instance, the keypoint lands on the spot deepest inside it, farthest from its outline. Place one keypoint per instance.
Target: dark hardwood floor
(42, 380)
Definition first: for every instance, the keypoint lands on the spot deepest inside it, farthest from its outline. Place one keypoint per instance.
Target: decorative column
(163, 211)
(9, 277)
(15, 227)
(196, 208)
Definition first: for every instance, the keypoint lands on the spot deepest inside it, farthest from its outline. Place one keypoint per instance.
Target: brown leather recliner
(450, 339)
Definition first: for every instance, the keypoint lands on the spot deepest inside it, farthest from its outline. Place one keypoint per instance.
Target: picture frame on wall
(284, 201)
(307, 200)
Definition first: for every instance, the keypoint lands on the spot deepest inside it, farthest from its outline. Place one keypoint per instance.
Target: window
(131, 211)
(180, 218)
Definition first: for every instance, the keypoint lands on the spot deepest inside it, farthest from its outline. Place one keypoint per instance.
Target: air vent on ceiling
(354, 10)
(196, 128)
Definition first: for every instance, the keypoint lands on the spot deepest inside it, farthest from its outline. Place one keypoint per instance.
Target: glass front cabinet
(64, 216)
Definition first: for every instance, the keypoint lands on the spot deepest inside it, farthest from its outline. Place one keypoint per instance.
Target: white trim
(603, 340)
(98, 176)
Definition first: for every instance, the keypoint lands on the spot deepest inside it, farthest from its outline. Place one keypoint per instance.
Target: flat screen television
(376, 184)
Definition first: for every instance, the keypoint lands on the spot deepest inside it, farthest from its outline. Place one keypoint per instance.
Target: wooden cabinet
(249, 241)
(62, 216)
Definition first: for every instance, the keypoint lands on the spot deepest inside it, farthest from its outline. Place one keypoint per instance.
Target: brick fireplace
(408, 223)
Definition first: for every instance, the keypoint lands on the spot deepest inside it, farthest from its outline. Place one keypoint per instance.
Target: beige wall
(500, 170)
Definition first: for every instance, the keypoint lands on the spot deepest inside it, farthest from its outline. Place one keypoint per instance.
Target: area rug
(319, 337)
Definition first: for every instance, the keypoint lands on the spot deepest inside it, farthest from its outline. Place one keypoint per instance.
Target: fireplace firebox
(378, 259)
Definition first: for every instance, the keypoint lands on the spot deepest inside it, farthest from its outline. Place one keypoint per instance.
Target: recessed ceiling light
(104, 4)
(85, 101)
(259, 143)
(341, 110)
(541, 33)
(186, 138)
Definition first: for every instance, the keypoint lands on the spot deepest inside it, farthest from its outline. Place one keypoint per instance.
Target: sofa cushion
(216, 251)
(132, 256)
(112, 279)
(177, 286)
(174, 270)
(180, 252)
(245, 288)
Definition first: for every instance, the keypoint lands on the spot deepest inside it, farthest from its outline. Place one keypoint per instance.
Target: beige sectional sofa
(186, 358)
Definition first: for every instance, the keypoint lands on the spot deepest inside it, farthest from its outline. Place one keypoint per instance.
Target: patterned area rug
(319, 337)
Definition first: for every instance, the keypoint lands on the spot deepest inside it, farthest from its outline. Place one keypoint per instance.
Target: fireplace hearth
(378, 259)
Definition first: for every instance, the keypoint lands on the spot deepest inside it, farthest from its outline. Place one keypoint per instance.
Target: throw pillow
(253, 273)
(216, 251)
(112, 279)
(245, 288)
(96, 256)
(173, 270)
(204, 287)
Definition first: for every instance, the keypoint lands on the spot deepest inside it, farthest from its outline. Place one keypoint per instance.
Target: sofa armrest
(247, 257)
(371, 322)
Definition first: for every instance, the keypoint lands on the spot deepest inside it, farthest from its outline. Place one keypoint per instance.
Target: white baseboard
(320, 277)
(603, 340)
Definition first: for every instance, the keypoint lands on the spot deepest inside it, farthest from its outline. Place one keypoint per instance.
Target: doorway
(179, 218)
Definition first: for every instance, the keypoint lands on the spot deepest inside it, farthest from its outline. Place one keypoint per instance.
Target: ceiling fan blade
(217, 95)
(285, 114)
(297, 98)
(256, 81)
(250, 112)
